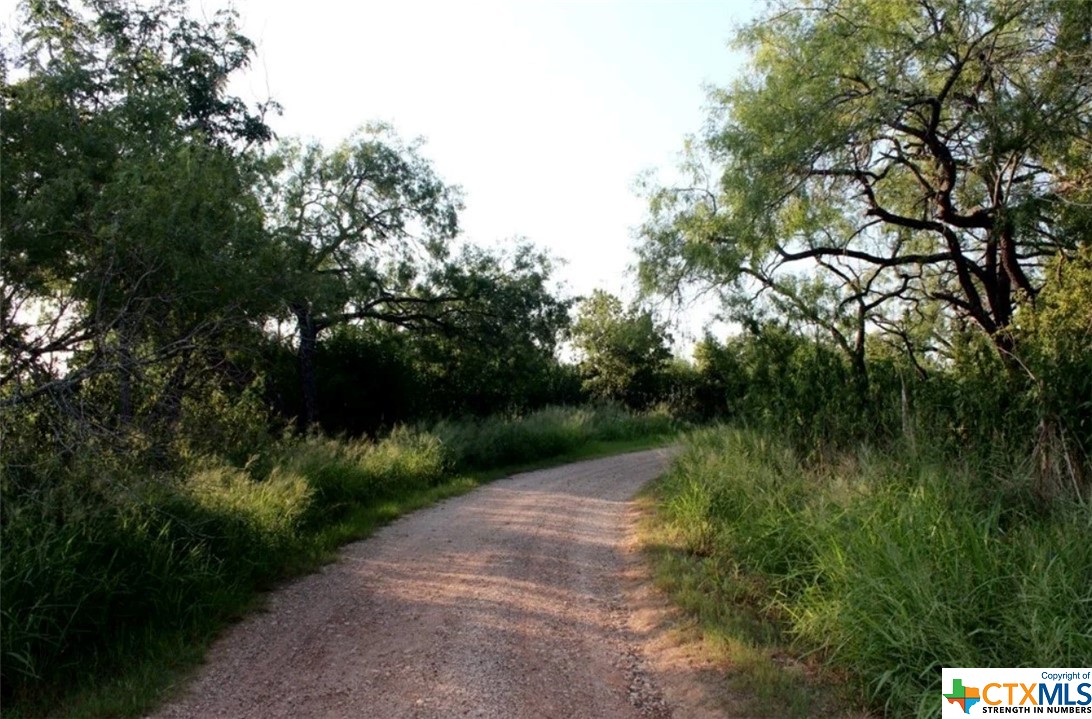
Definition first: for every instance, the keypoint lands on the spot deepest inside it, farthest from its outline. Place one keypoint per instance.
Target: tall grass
(553, 431)
(103, 567)
(891, 566)
(87, 577)
(343, 474)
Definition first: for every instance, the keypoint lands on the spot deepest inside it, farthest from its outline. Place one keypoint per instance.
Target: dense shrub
(345, 473)
(84, 574)
(774, 377)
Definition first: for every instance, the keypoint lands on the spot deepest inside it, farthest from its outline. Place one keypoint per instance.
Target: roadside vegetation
(226, 353)
(883, 567)
(115, 579)
(844, 550)
(902, 479)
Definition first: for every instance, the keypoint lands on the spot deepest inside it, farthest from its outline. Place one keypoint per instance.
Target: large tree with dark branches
(361, 229)
(905, 152)
(133, 246)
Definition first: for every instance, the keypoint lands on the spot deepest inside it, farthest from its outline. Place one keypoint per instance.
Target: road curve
(504, 602)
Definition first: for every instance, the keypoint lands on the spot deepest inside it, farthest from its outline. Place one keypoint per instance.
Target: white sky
(543, 112)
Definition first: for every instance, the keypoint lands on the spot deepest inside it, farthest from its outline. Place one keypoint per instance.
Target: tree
(132, 235)
(624, 350)
(358, 227)
(492, 350)
(912, 151)
(498, 351)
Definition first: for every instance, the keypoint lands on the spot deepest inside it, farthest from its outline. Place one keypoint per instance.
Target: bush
(346, 473)
(99, 561)
(254, 520)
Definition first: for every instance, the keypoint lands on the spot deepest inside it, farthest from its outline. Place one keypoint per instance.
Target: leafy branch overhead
(132, 238)
(910, 152)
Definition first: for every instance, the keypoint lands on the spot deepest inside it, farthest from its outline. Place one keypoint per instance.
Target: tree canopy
(132, 236)
(153, 233)
(907, 153)
(624, 350)
(357, 227)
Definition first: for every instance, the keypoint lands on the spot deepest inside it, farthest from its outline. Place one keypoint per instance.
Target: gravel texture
(511, 601)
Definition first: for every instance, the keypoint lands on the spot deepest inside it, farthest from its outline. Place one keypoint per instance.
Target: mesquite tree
(910, 153)
(359, 228)
(132, 239)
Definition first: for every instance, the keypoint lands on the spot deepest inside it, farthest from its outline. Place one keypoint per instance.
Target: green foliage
(889, 564)
(141, 210)
(493, 350)
(351, 221)
(365, 230)
(624, 351)
(134, 254)
(356, 227)
(496, 351)
(910, 181)
(884, 160)
(86, 575)
(102, 563)
(970, 405)
(1057, 336)
(681, 394)
(272, 508)
(504, 441)
(366, 381)
(346, 474)
(149, 244)
(772, 377)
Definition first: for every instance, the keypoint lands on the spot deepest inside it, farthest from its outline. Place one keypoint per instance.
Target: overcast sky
(543, 112)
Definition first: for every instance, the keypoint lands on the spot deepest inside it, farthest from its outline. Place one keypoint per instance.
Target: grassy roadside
(179, 563)
(727, 624)
(878, 568)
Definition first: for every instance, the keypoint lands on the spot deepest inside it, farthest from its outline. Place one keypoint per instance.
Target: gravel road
(510, 601)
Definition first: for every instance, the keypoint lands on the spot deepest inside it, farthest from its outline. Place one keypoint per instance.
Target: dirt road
(510, 602)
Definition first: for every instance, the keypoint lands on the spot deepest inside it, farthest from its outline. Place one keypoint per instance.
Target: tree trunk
(904, 407)
(308, 330)
(860, 365)
(1005, 343)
